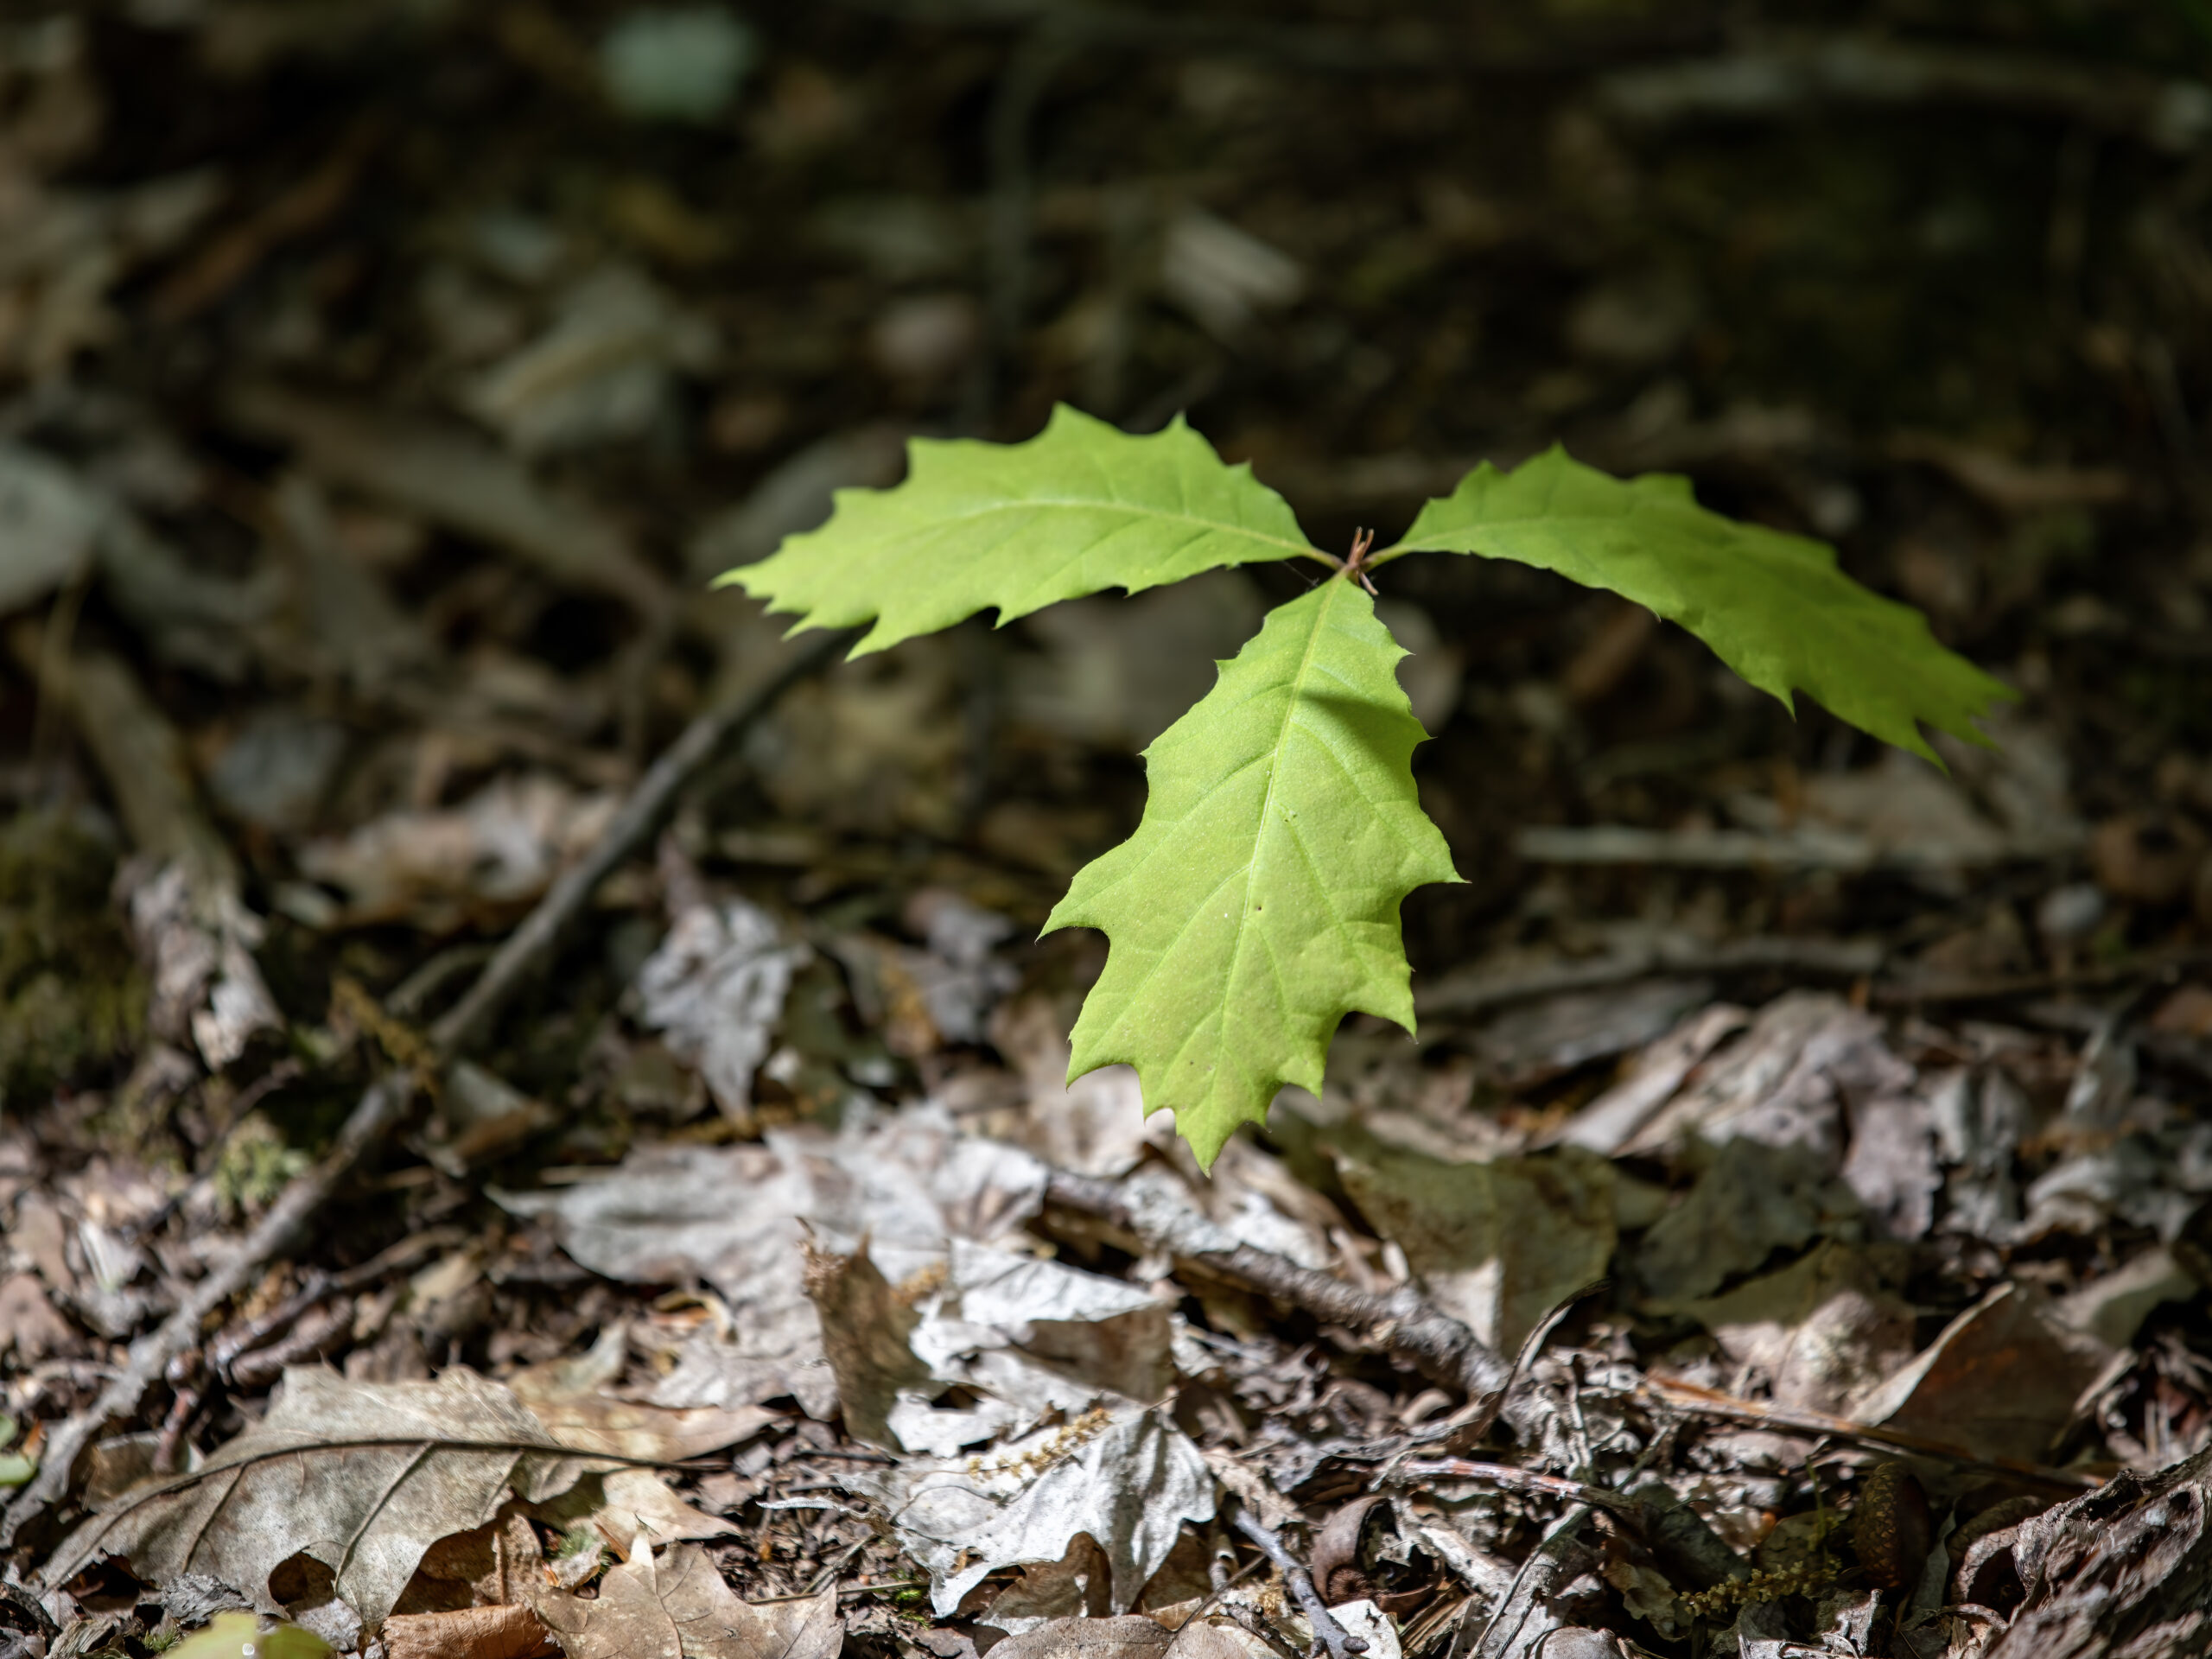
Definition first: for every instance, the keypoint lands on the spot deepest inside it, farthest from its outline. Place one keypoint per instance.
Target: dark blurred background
(381, 381)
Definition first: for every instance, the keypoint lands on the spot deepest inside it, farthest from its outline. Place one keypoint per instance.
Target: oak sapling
(1257, 903)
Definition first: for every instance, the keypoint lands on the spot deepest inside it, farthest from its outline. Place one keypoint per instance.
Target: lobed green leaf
(1773, 606)
(1081, 507)
(1257, 903)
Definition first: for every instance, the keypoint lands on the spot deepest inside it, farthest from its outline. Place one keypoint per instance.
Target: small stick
(1401, 1321)
(1531, 1346)
(1247, 1619)
(528, 946)
(1327, 1633)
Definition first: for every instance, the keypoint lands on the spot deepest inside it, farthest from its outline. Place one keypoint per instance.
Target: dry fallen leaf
(1751, 1200)
(715, 990)
(1125, 1636)
(570, 1398)
(1817, 1330)
(679, 1608)
(28, 1324)
(907, 1180)
(1129, 1482)
(1783, 1082)
(511, 1632)
(362, 1477)
(1497, 1244)
(499, 849)
(2001, 1379)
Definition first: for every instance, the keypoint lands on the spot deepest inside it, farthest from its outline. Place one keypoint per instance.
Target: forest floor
(533, 1112)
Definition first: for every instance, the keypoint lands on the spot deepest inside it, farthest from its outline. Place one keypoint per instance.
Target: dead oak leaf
(363, 1477)
(679, 1608)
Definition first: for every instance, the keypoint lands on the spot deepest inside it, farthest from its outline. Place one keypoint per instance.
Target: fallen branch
(187, 919)
(1397, 1319)
(1478, 989)
(2125, 1569)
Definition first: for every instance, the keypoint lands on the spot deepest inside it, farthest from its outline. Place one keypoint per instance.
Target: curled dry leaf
(715, 989)
(1336, 1572)
(1029, 1339)
(511, 1632)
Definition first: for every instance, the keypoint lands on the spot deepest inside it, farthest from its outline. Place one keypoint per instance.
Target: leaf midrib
(1244, 926)
(937, 519)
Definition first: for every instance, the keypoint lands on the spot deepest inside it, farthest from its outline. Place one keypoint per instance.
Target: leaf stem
(1354, 567)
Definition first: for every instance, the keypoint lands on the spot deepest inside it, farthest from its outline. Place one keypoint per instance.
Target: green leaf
(1257, 903)
(1774, 606)
(239, 1635)
(1078, 508)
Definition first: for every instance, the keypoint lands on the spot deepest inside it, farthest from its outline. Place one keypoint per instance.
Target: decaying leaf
(679, 1608)
(866, 1326)
(1128, 1481)
(1818, 1331)
(1027, 1338)
(360, 1477)
(1122, 1635)
(499, 849)
(513, 1631)
(569, 1397)
(1751, 1200)
(1497, 1244)
(906, 1179)
(1785, 1081)
(714, 989)
(2001, 1379)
